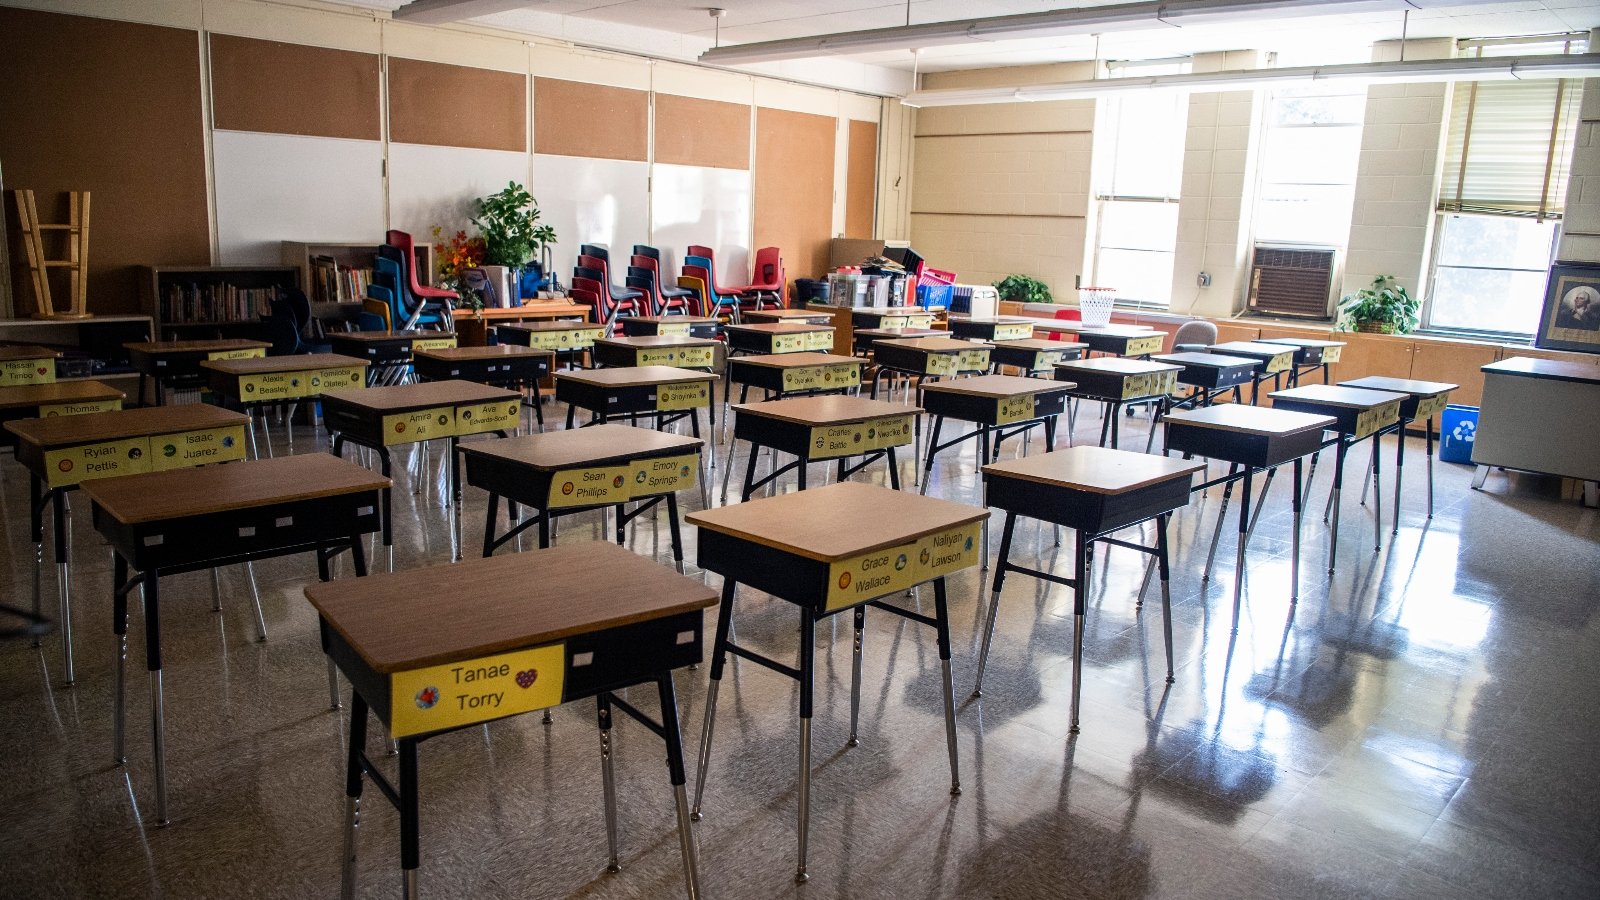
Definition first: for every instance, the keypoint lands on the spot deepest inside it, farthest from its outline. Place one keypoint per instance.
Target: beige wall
(896, 136)
(1580, 238)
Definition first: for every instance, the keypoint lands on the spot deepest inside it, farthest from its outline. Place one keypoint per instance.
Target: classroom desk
(1276, 359)
(502, 365)
(1310, 355)
(166, 523)
(1033, 356)
(1096, 492)
(383, 417)
(571, 338)
(1424, 400)
(1002, 406)
(690, 326)
(55, 398)
(26, 364)
(1116, 382)
(251, 383)
(681, 351)
(1211, 375)
(665, 392)
(389, 352)
(823, 427)
(782, 374)
(473, 324)
(791, 316)
(991, 328)
(1358, 414)
(536, 630)
(62, 452)
(928, 358)
(780, 337)
(177, 363)
(567, 472)
(862, 339)
(846, 546)
(1123, 340)
(1250, 439)
(1540, 416)
(891, 317)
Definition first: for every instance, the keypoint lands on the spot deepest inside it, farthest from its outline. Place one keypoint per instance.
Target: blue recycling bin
(1458, 426)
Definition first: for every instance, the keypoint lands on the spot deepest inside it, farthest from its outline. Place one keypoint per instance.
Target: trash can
(1458, 425)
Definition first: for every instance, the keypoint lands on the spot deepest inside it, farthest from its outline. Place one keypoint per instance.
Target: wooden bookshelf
(359, 256)
(203, 287)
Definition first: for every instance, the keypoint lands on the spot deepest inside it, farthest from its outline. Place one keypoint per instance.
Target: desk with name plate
(27, 364)
(838, 548)
(584, 469)
(891, 317)
(252, 383)
(176, 364)
(507, 636)
(1277, 360)
(862, 339)
(1117, 382)
(1133, 341)
(501, 365)
(1210, 375)
(687, 326)
(791, 316)
(166, 523)
(925, 359)
(567, 337)
(383, 417)
(55, 398)
(820, 428)
(1310, 355)
(784, 374)
(665, 393)
(1032, 356)
(1001, 406)
(472, 325)
(389, 352)
(1096, 492)
(62, 452)
(682, 351)
(779, 337)
(1424, 400)
(1540, 415)
(1358, 414)
(991, 328)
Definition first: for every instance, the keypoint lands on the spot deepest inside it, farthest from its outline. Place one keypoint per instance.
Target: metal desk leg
(808, 653)
(1222, 516)
(1377, 495)
(410, 826)
(455, 496)
(719, 655)
(1080, 578)
(994, 598)
(352, 795)
(942, 614)
(152, 656)
(119, 627)
(1399, 473)
(927, 459)
(1244, 541)
(608, 779)
(1162, 561)
(63, 535)
(855, 675)
(678, 776)
(1294, 558)
(1338, 483)
(1428, 428)
(36, 530)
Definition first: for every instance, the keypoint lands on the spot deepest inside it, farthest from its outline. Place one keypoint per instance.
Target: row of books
(333, 282)
(182, 303)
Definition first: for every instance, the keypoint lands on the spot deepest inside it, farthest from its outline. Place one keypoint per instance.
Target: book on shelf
(335, 282)
(185, 303)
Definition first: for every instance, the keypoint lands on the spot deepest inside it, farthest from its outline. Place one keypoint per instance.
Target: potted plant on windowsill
(1023, 289)
(1385, 307)
(512, 235)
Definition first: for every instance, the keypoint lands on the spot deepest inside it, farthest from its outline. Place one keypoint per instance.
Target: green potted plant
(1023, 289)
(1382, 308)
(512, 235)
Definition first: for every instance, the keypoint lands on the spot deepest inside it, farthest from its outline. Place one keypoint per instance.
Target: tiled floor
(1423, 725)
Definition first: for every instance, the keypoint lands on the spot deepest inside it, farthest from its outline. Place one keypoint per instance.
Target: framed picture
(1571, 316)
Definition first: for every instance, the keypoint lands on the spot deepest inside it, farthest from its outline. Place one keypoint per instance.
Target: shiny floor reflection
(1422, 725)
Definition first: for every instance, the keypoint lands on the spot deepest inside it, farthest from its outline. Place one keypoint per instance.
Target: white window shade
(1509, 146)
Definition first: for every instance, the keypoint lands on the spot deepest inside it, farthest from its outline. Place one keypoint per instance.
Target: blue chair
(390, 264)
(715, 302)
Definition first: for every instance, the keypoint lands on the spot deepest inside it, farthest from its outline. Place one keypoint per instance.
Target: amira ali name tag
(420, 425)
(475, 690)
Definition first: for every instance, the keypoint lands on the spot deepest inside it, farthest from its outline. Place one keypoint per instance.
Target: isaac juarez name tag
(477, 690)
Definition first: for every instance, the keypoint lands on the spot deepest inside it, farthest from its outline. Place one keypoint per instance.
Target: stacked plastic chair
(699, 275)
(771, 284)
(419, 304)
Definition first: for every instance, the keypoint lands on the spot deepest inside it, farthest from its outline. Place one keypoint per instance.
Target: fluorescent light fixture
(440, 12)
(1053, 23)
(1584, 65)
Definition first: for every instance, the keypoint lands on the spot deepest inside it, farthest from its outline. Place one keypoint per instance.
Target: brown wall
(576, 119)
(457, 106)
(112, 108)
(861, 179)
(290, 89)
(691, 132)
(794, 188)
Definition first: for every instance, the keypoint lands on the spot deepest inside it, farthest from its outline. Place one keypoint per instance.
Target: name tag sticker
(1428, 407)
(672, 328)
(1331, 354)
(686, 395)
(477, 690)
(107, 459)
(1013, 331)
(894, 321)
(871, 575)
(336, 379)
(663, 475)
(479, 418)
(273, 386)
(833, 441)
(421, 425)
(821, 378)
(196, 448)
(27, 371)
(948, 551)
(439, 343)
(888, 431)
(974, 360)
(247, 353)
(590, 487)
(942, 364)
(55, 410)
(1014, 409)
(1143, 345)
(791, 343)
(819, 340)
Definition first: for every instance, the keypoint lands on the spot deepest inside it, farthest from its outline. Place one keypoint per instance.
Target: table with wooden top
(781, 375)
(389, 352)
(383, 417)
(584, 469)
(1210, 375)
(791, 316)
(27, 364)
(1358, 414)
(820, 428)
(891, 317)
(252, 383)
(1540, 415)
(1424, 400)
(926, 359)
(991, 328)
(55, 398)
(502, 365)
(571, 338)
(1310, 355)
(685, 325)
(1250, 439)
(778, 337)
(1001, 406)
(507, 636)
(1117, 382)
(682, 351)
(166, 523)
(1096, 492)
(1032, 356)
(176, 364)
(843, 547)
(62, 452)
(473, 325)
(862, 339)
(665, 393)
(1277, 360)
(1134, 341)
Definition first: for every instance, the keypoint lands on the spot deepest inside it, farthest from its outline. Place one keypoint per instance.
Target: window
(1310, 147)
(1489, 273)
(1140, 137)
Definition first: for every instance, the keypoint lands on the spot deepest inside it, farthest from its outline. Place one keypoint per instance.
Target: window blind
(1509, 146)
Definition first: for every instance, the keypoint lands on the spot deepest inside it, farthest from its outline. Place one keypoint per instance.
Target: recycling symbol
(1465, 430)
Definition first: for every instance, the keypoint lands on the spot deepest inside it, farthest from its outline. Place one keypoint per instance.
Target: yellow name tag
(888, 431)
(1135, 386)
(443, 343)
(663, 475)
(476, 690)
(1013, 331)
(1371, 420)
(576, 339)
(27, 371)
(1045, 360)
(336, 379)
(590, 487)
(893, 321)
(821, 378)
(974, 360)
(833, 441)
(250, 353)
(948, 551)
(1280, 363)
(941, 364)
(871, 575)
(682, 357)
(1142, 345)
(79, 408)
(1014, 409)
(103, 460)
(687, 395)
(422, 425)
(919, 321)
(790, 343)
(1331, 354)
(1428, 407)
(819, 340)
(196, 448)
(273, 386)
(1163, 382)
(479, 418)
(672, 328)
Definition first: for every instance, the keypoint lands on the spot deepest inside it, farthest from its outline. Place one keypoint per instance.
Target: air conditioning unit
(1292, 280)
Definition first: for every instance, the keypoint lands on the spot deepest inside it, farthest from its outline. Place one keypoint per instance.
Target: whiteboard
(700, 205)
(273, 188)
(431, 186)
(593, 201)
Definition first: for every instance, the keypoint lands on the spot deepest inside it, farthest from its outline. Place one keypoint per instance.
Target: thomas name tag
(790, 343)
(103, 460)
(79, 408)
(590, 487)
(27, 371)
(1013, 331)
(663, 475)
(1369, 421)
(941, 364)
(819, 340)
(821, 378)
(196, 448)
(483, 417)
(248, 353)
(272, 386)
(1428, 407)
(682, 357)
(888, 431)
(421, 425)
(475, 690)
(1014, 409)
(1143, 345)
(687, 395)
(335, 379)
(440, 343)
(973, 360)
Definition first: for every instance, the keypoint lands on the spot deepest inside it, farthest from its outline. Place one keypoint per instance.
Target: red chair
(1067, 315)
(423, 293)
(770, 284)
(713, 300)
(666, 300)
(593, 267)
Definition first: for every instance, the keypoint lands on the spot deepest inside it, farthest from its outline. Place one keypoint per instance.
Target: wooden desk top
(1257, 420)
(781, 314)
(10, 352)
(595, 445)
(553, 326)
(1556, 370)
(265, 365)
(796, 360)
(825, 409)
(1250, 348)
(894, 333)
(1117, 365)
(658, 340)
(634, 376)
(1096, 470)
(1299, 342)
(159, 348)
(541, 308)
(24, 395)
(1127, 331)
(481, 607)
(998, 386)
(886, 310)
(994, 320)
(180, 493)
(838, 521)
(128, 423)
(1338, 397)
(1207, 360)
(427, 394)
(1038, 344)
(934, 344)
(375, 337)
(498, 351)
(778, 328)
(1401, 385)
(667, 320)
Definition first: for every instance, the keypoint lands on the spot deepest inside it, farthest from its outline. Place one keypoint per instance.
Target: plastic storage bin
(935, 296)
(1458, 425)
